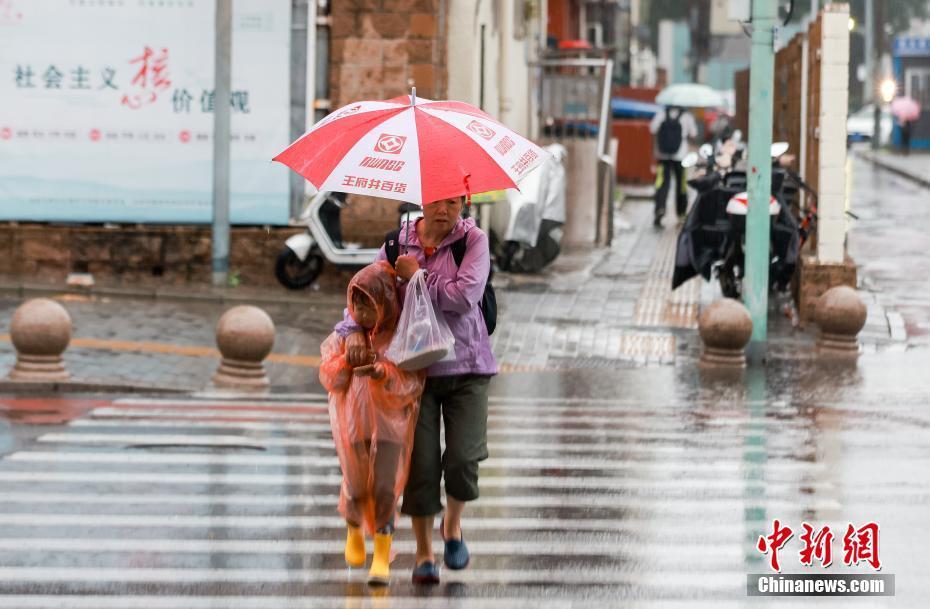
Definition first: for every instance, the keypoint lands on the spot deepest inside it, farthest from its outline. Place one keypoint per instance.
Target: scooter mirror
(706, 150)
(779, 148)
(690, 160)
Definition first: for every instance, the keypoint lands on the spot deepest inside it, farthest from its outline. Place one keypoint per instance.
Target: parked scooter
(712, 241)
(301, 261)
(533, 235)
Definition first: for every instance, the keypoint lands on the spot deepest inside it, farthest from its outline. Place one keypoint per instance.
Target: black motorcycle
(712, 240)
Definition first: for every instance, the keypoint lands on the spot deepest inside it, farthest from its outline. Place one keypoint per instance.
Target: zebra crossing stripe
(86, 601)
(694, 580)
(737, 451)
(328, 461)
(623, 502)
(156, 422)
(588, 545)
(486, 482)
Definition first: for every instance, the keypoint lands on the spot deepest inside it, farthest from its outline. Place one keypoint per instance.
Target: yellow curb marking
(308, 361)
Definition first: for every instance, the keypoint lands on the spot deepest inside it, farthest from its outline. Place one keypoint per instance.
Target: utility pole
(221, 114)
(869, 83)
(761, 85)
(878, 49)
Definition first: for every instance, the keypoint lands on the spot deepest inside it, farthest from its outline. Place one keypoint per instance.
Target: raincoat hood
(378, 282)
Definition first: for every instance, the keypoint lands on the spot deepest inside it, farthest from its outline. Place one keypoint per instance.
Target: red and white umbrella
(411, 149)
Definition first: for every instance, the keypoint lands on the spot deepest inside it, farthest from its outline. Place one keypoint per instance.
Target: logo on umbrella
(391, 144)
(481, 129)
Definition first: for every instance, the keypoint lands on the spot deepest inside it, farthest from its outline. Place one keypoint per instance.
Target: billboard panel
(106, 110)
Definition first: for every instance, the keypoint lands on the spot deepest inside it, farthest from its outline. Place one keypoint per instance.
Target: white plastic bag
(422, 337)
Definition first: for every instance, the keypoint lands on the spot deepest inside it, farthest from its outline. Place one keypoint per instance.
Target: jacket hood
(378, 282)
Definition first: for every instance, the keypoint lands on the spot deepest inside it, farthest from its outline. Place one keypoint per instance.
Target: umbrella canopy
(411, 149)
(905, 108)
(690, 96)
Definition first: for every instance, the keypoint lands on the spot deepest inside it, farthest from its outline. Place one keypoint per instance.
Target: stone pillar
(826, 265)
(40, 331)
(834, 99)
(841, 315)
(725, 327)
(244, 336)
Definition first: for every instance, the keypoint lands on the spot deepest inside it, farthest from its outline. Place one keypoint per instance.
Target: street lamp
(887, 90)
(852, 24)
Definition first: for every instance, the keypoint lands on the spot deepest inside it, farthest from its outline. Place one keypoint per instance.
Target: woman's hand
(357, 352)
(406, 266)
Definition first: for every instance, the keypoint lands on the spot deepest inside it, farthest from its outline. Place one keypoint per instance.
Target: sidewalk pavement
(592, 308)
(914, 167)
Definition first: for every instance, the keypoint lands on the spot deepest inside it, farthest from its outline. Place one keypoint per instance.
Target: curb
(308, 298)
(891, 168)
(17, 387)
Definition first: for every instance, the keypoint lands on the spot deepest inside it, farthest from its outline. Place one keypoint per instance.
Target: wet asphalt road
(627, 486)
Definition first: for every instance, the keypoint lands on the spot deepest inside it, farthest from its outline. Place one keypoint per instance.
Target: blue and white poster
(106, 110)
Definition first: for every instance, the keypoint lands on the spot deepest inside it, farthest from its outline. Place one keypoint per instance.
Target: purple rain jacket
(454, 290)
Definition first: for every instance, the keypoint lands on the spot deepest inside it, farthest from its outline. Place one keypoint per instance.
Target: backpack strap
(458, 249)
(392, 246)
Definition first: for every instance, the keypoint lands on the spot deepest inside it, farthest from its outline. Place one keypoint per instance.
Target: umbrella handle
(407, 232)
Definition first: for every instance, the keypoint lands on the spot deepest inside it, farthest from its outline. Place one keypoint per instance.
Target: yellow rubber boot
(355, 547)
(380, 572)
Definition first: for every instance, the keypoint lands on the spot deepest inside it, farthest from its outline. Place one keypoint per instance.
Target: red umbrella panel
(411, 149)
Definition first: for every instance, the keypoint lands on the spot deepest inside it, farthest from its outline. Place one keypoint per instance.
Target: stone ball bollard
(244, 336)
(40, 331)
(725, 327)
(841, 314)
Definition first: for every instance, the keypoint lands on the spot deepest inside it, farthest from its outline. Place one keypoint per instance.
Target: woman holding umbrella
(432, 154)
(455, 391)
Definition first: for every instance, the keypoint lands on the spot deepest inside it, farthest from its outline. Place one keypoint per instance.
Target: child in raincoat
(373, 412)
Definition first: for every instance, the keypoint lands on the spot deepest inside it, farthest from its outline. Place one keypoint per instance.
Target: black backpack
(488, 299)
(669, 135)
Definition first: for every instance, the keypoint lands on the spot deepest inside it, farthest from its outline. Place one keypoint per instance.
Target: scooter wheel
(296, 274)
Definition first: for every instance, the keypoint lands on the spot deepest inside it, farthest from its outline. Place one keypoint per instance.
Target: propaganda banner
(106, 110)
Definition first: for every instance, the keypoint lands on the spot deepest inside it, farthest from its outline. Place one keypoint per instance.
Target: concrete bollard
(244, 336)
(725, 327)
(841, 315)
(40, 331)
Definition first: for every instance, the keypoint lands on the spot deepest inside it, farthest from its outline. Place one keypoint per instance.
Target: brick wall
(136, 255)
(379, 48)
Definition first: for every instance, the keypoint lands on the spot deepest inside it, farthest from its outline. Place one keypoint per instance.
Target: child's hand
(375, 371)
(357, 351)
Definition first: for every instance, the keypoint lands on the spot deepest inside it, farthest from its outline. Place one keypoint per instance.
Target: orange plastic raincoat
(372, 420)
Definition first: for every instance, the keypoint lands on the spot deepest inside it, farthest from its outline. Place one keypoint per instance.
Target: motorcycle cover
(705, 236)
(708, 232)
(372, 420)
(537, 212)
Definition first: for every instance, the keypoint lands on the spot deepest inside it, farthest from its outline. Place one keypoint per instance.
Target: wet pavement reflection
(626, 486)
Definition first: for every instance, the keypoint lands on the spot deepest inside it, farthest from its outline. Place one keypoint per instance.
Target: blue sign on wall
(910, 46)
